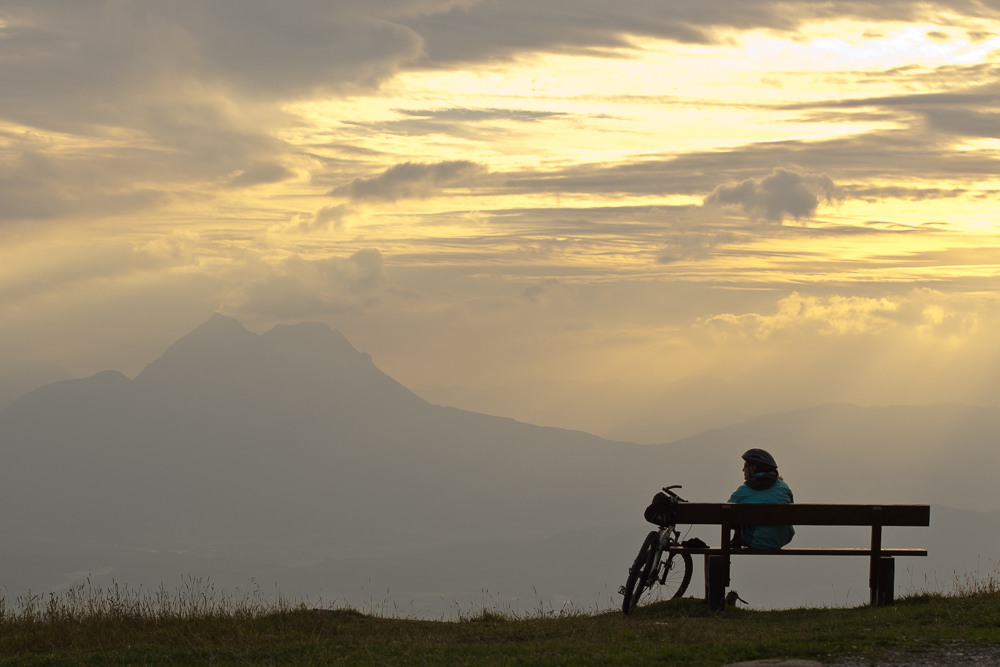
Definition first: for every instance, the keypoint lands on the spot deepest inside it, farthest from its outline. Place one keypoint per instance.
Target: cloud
(307, 288)
(476, 124)
(475, 115)
(694, 245)
(923, 312)
(413, 180)
(964, 122)
(330, 216)
(835, 315)
(260, 174)
(321, 220)
(872, 194)
(782, 193)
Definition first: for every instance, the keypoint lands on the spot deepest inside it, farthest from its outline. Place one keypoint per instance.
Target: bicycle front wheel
(638, 574)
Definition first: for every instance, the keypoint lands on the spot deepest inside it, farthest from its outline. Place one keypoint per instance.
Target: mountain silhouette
(294, 432)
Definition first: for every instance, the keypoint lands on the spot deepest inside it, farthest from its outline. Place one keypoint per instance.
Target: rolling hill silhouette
(19, 377)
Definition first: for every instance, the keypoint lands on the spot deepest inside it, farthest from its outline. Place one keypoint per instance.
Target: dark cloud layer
(900, 192)
(470, 124)
(972, 110)
(490, 30)
(269, 48)
(476, 115)
(413, 180)
(66, 49)
(260, 174)
(965, 122)
(199, 84)
(879, 155)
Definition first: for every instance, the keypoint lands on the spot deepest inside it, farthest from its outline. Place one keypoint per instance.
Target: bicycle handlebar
(667, 490)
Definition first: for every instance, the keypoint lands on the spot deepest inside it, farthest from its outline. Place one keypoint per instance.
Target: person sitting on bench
(762, 484)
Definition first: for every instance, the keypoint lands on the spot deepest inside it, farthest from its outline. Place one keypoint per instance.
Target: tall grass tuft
(195, 598)
(86, 617)
(966, 585)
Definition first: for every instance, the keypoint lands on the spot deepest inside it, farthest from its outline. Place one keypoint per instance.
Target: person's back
(762, 485)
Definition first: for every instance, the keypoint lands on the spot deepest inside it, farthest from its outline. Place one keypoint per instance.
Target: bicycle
(651, 568)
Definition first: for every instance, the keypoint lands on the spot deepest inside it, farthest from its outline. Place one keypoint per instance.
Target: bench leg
(715, 582)
(886, 581)
(873, 568)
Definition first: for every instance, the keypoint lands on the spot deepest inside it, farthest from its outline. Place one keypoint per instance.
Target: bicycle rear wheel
(675, 574)
(638, 574)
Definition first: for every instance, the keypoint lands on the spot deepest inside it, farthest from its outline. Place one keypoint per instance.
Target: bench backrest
(804, 514)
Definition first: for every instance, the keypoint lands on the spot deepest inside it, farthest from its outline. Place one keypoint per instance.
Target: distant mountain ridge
(296, 427)
(683, 408)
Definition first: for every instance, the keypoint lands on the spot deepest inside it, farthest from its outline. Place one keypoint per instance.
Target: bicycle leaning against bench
(657, 562)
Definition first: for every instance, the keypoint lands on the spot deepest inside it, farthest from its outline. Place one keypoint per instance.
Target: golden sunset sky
(545, 209)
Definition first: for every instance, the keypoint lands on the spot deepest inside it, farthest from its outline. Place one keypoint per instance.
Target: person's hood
(762, 480)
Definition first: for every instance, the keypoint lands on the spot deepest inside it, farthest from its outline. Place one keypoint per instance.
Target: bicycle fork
(654, 569)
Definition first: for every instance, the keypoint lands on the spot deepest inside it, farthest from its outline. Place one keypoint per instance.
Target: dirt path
(958, 654)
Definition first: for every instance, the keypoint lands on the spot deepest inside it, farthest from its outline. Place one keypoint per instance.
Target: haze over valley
(289, 456)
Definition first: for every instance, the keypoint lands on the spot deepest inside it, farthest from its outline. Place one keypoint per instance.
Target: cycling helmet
(760, 457)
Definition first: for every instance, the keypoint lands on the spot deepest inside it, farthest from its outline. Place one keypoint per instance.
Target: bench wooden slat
(803, 514)
(799, 552)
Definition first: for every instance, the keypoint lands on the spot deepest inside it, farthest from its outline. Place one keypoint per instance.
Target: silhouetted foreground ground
(128, 630)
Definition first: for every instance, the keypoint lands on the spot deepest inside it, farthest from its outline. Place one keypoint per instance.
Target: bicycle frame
(669, 537)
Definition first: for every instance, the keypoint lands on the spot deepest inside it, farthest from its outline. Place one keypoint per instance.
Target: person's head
(758, 460)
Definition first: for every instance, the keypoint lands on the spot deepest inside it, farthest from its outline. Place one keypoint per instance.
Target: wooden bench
(727, 515)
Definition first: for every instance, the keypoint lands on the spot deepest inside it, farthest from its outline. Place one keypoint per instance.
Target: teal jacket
(765, 537)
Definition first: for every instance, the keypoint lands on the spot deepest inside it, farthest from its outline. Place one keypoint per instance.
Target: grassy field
(122, 628)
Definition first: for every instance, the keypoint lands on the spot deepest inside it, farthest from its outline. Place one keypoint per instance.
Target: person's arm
(740, 495)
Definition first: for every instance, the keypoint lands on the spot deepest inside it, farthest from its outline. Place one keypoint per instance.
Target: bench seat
(799, 552)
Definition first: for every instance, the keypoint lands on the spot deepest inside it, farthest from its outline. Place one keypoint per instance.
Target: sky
(549, 210)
